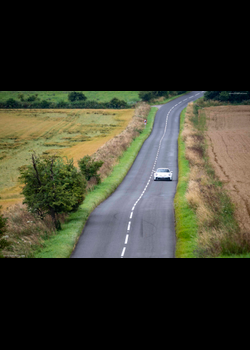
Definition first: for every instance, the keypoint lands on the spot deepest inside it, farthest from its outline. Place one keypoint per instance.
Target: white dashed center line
(150, 178)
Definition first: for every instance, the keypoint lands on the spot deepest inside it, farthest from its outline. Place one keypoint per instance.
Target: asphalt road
(137, 220)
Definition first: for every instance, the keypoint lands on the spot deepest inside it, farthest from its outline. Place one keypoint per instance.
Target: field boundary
(62, 244)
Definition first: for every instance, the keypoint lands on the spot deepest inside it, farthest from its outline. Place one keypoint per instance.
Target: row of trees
(231, 96)
(75, 100)
(150, 95)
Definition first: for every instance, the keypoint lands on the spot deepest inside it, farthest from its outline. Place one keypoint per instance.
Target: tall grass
(186, 221)
(201, 198)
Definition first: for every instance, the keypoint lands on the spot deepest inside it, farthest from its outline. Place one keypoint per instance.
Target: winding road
(137, 220)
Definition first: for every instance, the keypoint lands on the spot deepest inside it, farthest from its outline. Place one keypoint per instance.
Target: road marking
(155, 162)
(126, 240)
(123, 252)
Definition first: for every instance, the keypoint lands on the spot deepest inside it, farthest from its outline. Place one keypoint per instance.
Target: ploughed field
(229, 150)
(72, 133)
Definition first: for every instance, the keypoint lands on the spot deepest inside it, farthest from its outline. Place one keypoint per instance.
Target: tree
(52, 186)
(89, 168)
(116, 103)
(11, 103)
(231, 96)
(76, 96)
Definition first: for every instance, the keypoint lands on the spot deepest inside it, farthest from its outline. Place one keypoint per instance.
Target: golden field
(72, 133)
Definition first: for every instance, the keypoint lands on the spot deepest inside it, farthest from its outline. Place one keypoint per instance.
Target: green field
(56, 96)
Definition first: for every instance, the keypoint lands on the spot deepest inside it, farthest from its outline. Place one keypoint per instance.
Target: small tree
(76, 96)
(52, 186)
(89, 168)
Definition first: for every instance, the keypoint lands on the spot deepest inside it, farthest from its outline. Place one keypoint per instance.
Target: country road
(137, 220)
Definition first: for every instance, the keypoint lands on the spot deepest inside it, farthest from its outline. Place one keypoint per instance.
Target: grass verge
(62, 245)
(186, 221)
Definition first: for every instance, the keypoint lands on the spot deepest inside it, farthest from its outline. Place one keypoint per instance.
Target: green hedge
(44, 104)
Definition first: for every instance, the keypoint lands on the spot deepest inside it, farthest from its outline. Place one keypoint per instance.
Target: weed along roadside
(205, 215)
(186, 221)
(62, 244)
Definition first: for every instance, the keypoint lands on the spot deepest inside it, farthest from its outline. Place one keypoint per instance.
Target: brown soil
(229, 150)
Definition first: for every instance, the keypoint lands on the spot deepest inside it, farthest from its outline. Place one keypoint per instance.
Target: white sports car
(163, 174)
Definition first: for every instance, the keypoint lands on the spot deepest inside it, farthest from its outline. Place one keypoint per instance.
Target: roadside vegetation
(206, 224)
(59, 197)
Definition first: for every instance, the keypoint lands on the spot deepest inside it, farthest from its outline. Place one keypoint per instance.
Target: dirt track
(229, 150)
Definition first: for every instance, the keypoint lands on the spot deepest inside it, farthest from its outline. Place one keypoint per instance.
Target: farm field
(229, 150)
(56, 96)
(72, 133)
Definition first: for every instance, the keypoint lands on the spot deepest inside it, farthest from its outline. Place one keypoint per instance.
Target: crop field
(56, 96)
(72, 133)
(229, 150)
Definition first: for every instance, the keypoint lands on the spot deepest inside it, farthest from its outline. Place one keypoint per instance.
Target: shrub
(89, 168)
(116, 103)
(146, 95)
(11, 103)
(149, 95)
(3, 242)
(76, 96)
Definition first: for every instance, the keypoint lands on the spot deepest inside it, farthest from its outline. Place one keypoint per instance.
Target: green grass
(62, 245)
(186, 222)
(56, 96)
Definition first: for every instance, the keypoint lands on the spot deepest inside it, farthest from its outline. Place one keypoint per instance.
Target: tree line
(75, 100)
(151, 95)
(79, 100)
(230, 96)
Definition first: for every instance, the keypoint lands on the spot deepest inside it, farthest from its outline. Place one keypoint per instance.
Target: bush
(89, 168)
(146, 95)
(149, 95)
(76, 96)
(11, 103)
(3, 242)
(116, 103)
(52, 187)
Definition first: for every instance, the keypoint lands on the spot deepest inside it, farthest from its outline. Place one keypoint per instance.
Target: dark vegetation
(152, 95)
(75, 100)
(228, 96)
(79, 100)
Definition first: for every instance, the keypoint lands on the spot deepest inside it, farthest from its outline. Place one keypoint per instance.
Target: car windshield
(163, 171)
